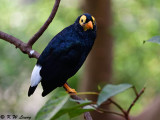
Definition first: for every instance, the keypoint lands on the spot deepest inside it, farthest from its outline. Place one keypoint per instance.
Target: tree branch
(111, 112)
(135, 100)
(135, 90)
(118, 106)
(87, 115)
(46, 24)
(19, 44)
(125, 113)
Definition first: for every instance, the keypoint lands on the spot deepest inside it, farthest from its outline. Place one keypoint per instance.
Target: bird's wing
(52, 48)
(61, 42)
(60, 65)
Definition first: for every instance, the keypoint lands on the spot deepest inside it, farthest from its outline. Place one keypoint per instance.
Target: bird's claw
(71, 91)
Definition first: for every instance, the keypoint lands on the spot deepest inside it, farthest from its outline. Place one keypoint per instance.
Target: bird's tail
(31, 90)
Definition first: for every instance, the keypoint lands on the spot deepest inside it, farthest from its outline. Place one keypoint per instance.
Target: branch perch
(87, 115)
(19, 44)
(46, 24)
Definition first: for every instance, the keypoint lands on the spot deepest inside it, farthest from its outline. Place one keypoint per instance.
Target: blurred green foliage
(134, 62)
(55, 107)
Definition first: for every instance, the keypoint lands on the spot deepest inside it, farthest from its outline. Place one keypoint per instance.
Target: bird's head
(86, 22)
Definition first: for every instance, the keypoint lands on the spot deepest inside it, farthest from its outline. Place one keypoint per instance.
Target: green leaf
(73, 111)
(82, 101)
(64, 117)
(155, 39)
(78, 112)
(52, 106)
(111, 90)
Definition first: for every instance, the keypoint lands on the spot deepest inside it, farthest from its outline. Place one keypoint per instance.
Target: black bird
(64, 55)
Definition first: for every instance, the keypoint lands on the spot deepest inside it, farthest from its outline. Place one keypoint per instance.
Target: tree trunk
(98, 67)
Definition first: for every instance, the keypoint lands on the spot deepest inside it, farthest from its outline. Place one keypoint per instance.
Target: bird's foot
(69, 89)
(72, 91)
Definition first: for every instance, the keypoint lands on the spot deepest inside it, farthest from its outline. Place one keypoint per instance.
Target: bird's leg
(69, 89)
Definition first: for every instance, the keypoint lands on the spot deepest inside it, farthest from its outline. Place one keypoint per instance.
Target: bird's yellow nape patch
(82, 20)
(93, 20)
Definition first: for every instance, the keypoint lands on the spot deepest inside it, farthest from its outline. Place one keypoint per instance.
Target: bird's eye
(82, 20)
(94, 21)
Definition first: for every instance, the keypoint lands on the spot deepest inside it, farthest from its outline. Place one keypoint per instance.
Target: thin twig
(135, 90)
(135, 100)
(46, 24)
(87, 93)
(111, 112)
(107, 102)
(101, 110)
(118, 106)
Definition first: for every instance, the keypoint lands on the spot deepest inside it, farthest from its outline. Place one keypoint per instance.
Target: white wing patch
(35, 77)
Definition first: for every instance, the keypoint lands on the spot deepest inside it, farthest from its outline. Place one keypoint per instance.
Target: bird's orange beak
(88, 26)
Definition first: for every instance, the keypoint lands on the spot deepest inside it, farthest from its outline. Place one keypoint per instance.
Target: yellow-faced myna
(64, 55)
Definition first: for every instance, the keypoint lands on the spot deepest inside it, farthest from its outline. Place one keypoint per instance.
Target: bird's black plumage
(64, 55)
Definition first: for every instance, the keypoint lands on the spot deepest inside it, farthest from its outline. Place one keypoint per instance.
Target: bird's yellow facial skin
(86, 26)
(82, 20)
(93, 20)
